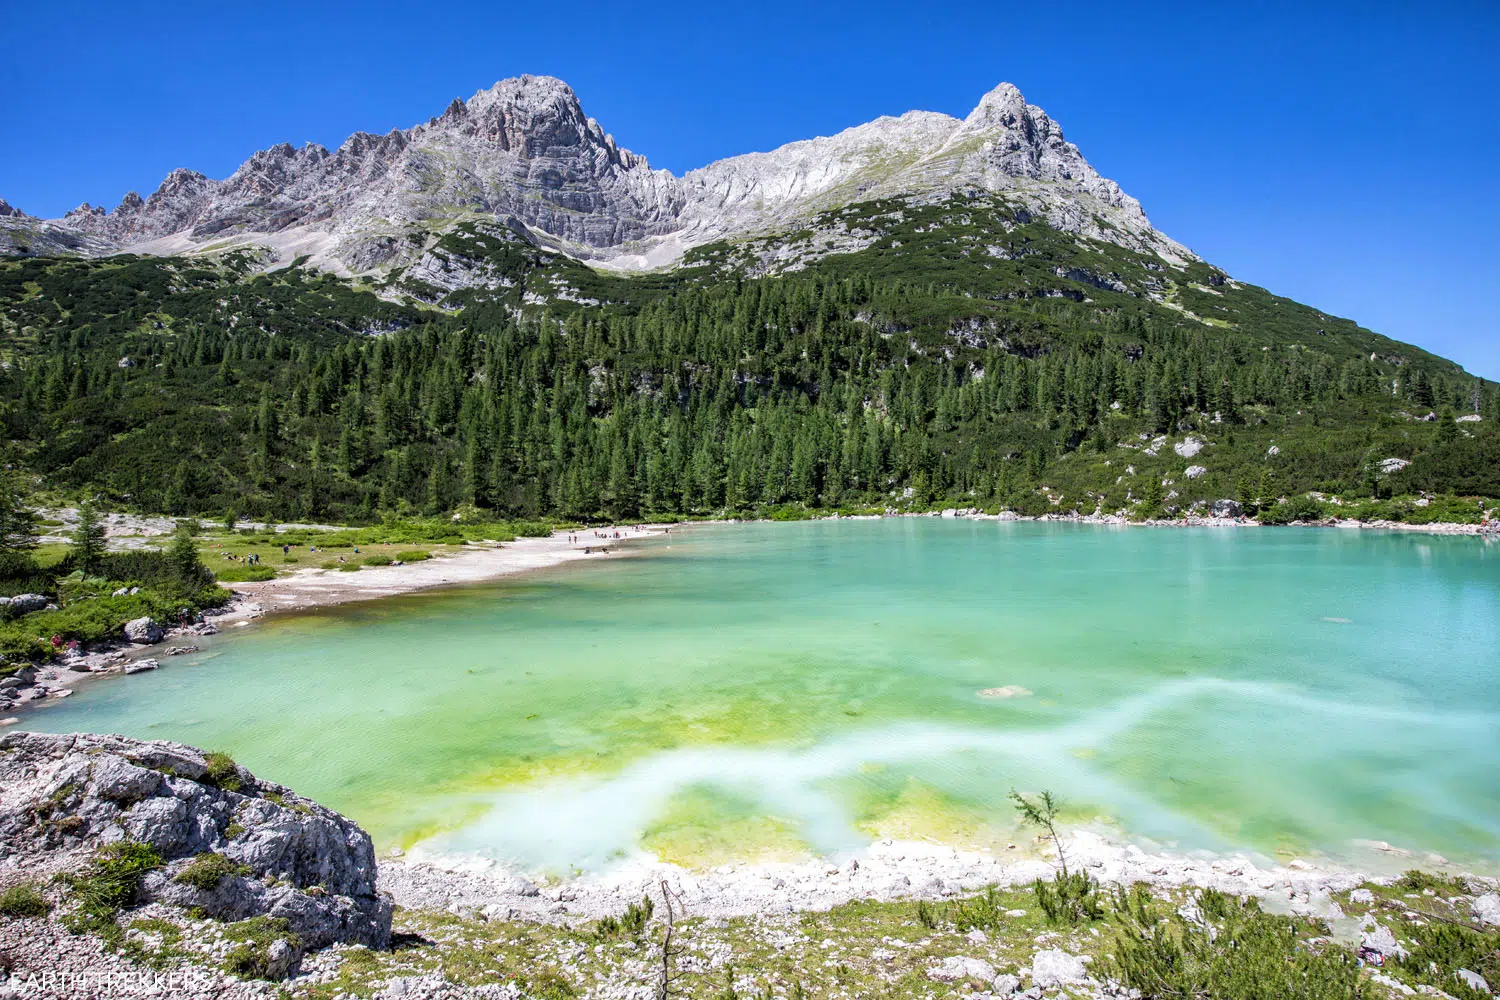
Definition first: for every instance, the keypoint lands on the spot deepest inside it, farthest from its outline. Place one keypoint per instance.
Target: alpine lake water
(758, 691)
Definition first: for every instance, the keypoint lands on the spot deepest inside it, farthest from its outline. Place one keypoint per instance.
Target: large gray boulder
(1054, 967)
(64, 796)
(143, 631)
(1227, 508)
(25, 604)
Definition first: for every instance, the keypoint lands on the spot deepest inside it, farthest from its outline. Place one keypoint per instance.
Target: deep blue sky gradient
(1342, 153)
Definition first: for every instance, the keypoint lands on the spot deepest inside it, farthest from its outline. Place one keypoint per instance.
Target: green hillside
(959, 354)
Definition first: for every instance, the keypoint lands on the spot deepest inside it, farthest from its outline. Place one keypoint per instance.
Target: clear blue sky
(1345, 155)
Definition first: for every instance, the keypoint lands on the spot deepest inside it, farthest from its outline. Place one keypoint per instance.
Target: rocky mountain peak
(524, 150)
(1002, 107)
(9, 212)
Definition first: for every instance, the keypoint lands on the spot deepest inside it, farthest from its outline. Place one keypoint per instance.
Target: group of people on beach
(608, 534)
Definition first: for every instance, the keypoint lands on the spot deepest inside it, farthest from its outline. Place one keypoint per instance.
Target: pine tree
(18, 520)
(186, 566)
(88, 537)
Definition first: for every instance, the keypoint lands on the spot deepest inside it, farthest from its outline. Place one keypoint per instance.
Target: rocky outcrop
(523, 152)
(1227, 508)
(25, 604)
(231, 846)
(143, 631)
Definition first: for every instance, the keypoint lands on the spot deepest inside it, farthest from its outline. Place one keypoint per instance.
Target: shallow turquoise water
(780, 688)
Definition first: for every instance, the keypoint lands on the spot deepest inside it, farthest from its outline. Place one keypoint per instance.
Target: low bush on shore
(90, 618)
(208, 869)
(241, 573)
(24, 900)
(108, 885)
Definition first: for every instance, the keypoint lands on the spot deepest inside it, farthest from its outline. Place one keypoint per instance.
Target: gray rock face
(1472, 980)
(143, 631)
(25, 604)
(61, 797)
(1487, 908)
(1055, 968)
(1379, 938)
(524, 151)
(1227, 508)
(959, 968)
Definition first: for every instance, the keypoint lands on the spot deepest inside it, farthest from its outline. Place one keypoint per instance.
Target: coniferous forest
(913, 372)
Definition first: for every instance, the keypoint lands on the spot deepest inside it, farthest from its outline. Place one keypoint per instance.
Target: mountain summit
(524, 152)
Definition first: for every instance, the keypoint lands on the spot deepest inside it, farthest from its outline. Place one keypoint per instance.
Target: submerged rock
(232, 846)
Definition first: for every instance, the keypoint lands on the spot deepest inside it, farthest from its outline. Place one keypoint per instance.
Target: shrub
(1031, 505)
(251, 956)
(413, 555)
(348, 567)
(1441, 949)
(1416, 880)
(207, 870)
(981, 912)
(91, 618)
(222, 771)
(24, 900)
(1292, 509)
(377, 560)
(1069, 899)
(110, 883)
(1233, 951)
(240, 573)
(630, 925)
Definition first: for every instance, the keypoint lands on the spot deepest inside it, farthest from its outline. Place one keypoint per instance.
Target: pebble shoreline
(886, 870)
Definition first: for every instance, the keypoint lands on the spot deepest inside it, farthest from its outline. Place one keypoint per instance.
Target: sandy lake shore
(312, 588)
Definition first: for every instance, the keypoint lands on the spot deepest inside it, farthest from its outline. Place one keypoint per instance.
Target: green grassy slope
(960, 353)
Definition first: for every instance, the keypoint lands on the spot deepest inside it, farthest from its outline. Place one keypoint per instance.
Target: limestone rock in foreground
(62, 797)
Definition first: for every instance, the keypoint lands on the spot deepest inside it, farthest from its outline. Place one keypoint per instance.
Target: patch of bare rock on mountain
(524, 153)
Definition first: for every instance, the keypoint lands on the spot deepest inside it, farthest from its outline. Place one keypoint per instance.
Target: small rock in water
(140, 666)
(1008, 691)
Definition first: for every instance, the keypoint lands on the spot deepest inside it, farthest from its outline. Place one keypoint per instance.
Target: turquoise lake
(774, 690)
